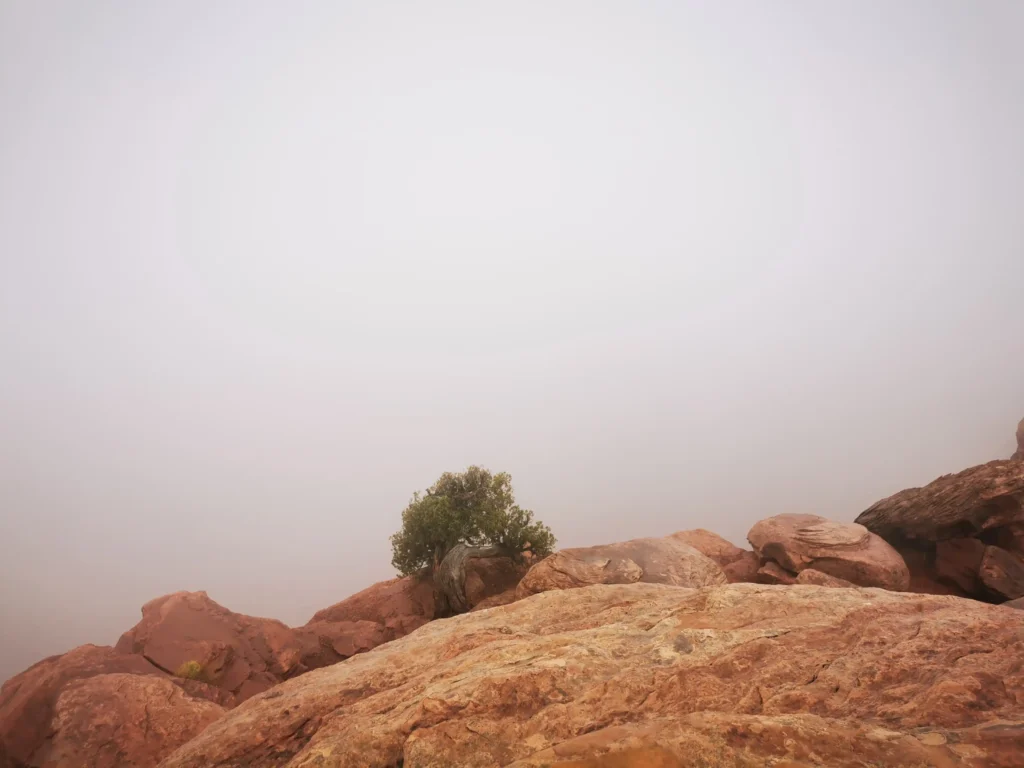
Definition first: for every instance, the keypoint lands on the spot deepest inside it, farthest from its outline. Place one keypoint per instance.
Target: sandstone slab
(738, 675)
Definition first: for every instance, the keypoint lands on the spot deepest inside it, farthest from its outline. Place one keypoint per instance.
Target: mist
(266, 269)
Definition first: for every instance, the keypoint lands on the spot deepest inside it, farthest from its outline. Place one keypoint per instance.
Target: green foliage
(190, 670)
(472, 507)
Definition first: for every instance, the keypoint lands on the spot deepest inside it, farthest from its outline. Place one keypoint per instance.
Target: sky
(266, 269)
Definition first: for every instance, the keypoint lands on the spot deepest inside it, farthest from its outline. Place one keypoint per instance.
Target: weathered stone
(743, 569)
(651, 561)
(812, 576)
(958, 561)
(773, 573)
(1019, 453)
(739, 675)
(739, 565)
(845, 550)
(1002, 573)
(953, 506)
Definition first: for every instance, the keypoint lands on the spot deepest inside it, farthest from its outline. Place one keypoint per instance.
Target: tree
(463, 515)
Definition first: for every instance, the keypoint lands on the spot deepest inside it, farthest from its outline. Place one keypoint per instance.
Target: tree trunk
(450, 578)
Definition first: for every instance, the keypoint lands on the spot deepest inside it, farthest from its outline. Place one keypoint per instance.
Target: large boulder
(945, 529)
(651, 561)
(35, 706)
(739, 675)
(240, 654)
(398, 605)
(115, 720)
(738, 564)
(845, 551)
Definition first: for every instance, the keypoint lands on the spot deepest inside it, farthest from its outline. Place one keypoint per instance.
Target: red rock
(652, 561)
(957, 561)
(773, 573)
(956, 506)
(114, 720)
(487, 577)
(241, 654)
(1002, 573)
(27, 700)
(503, 598)
(743, 569)
(812, 576)
(400, 605)
(1019, 454)
(1018, 604)
(738, 675)
(845, 550)
(924, 577)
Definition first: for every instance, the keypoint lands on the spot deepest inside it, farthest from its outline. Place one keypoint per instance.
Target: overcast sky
(268, 268)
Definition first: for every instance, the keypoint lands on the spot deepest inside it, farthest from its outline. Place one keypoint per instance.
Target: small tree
(463, 515)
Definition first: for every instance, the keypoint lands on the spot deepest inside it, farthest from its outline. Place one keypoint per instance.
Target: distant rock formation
(848, 553)
(1019, 454)
(737, 675)
(651, 561)
(961, 533)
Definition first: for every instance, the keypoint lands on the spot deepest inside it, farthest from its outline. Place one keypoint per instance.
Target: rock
(1018, 604)
(27, 700)
(956, 506)
(504, 598)
(1019, 454)
(241, 654)
(1002, 573)
(773, 573)
(812, 576)
(399, 605)
(739, 565)
(743, 570)
(737, 675)
(845, 550)
(652, 561)
(924, 577)
(487, 577)
(957, 561)
(114, 720)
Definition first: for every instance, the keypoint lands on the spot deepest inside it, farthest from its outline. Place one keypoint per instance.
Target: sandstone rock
(812, 576)
(924, 577)
(503, 598)
(845, 550)
(27, 700)
(652, 561)
(114, 720)
(739, 675)
(978, 499)
(487, 577)
(1019, 454)
(241, 654)
(958, 561)
(773, 573)
(400, 605)
(739, 565)
(1018, 604)
(1002, 573)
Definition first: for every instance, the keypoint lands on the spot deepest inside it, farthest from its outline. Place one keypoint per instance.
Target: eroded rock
(737, 675)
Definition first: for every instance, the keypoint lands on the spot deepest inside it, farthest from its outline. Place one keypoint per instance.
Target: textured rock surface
(953, 506)
(108, 721)
(1002, 574)
(399, 605)
(739, 565)
(738, 675)
(1019, 454)
(844, 550)
(651, 561)
(957, 561)
(27, 700)
(487, 577)
(812, 576)
(241, 654)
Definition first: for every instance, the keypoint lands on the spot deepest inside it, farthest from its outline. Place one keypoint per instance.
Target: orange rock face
(109, 721)
(845, 551)
(651, 561)
(94, 706)
(738, 675)
(739, 565)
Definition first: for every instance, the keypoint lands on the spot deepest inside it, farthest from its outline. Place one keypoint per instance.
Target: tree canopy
(474, 508)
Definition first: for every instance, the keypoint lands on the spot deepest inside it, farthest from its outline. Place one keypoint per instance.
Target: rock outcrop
(94, 695)
(845, 551)
(739, 565)
(237, 653)
(1019, 454)
(115, 720)
(738, 675)
(961, 533)
(651, 561)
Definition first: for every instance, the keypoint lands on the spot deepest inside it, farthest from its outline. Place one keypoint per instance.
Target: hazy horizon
(267, 270)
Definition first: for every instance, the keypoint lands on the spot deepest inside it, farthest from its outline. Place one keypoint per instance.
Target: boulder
(1002, 574)
(240, 654)
(115, 720)
(957, 561)
(957, 506)
(651, 561)
(739, 565)
(487, 577)
(812, 576)
(27, 700)
(398, 605)
(773, 573)
(737, 675)
(844, 550)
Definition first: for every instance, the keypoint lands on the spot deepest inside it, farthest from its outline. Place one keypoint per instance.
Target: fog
(268, 268)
